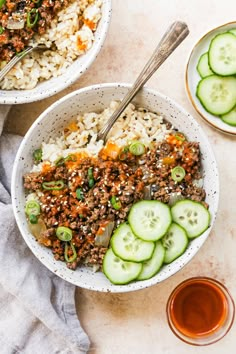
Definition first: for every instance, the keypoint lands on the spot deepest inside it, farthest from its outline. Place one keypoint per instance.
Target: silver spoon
(18, 57)
(176, 33)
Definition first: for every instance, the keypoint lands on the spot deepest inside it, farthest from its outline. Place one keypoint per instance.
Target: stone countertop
(136, 322)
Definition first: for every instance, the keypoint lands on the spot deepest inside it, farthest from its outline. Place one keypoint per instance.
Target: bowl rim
(138, 285)
(188, 90)
(61, 84)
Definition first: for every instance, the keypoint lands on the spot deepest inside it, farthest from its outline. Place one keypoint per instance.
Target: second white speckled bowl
(54, 85)
(96, 98)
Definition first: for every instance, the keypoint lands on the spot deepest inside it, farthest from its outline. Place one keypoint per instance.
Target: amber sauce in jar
(198, 308)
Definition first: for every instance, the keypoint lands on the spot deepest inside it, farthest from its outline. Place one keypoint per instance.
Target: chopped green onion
(79, 194)
(53, 185)
(74, 256)
(91, 183)
(137, 148)
(123, 153)
(180, 136)
(62, 160)
(90, 177)
(32, 207)
(178, 173)
(71, 158)
(122, 156)
(32, 18)
(37, 155)
(36, 1)
(2, 30)
(33, 219)
(115, 202)
(90, 172)
(64, 233)
(2, 2)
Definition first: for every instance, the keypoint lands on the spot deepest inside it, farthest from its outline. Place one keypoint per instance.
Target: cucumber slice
(230, 118)
(119, 271)
(222, 54)
(129, 247)
(217, 94)
(151, 267)
(203, 67)
(233, 30)
(149, 219)
(175, 242)
(192, 216)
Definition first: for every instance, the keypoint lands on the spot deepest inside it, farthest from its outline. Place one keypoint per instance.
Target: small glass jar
(200, 311)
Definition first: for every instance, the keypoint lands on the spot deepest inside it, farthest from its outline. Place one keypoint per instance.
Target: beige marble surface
(136, 322)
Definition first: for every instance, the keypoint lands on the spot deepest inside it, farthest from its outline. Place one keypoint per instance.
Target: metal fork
(169, 42)
(18, 57)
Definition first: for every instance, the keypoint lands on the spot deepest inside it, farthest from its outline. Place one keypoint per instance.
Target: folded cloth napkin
(37, 308)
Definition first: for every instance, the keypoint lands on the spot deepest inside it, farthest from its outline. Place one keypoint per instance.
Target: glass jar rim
(221, 331)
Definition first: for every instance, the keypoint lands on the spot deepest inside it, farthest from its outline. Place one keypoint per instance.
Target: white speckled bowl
(54, 85)
(96, 98)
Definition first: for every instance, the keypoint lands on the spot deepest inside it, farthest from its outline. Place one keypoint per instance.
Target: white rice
(65, 35)
(134, 124)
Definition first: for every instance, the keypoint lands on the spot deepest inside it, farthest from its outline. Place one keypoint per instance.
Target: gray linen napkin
(37, 308)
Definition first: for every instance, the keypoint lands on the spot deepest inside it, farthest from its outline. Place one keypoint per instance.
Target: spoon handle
(176, 33)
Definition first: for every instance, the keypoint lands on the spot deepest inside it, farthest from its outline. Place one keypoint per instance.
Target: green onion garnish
(178, 173)
(180, 136)
(37, 155)
(32, 18)
(74, 255)
(53, 185)
(115, 202)
(79, 194)
(2, 2)
(62, 160)
(137, 148)
(32, 208)
(2, 30)
(64, 233)
(33, 219)
(90, 177)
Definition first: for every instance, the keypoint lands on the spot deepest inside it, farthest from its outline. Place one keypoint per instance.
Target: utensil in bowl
(95, 99)
(19, 57)
(175, 34)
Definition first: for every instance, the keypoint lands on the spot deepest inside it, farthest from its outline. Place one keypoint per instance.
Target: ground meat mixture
(79, 192)
(20, 20)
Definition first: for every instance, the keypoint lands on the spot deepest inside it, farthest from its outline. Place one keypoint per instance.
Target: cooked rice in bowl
(65, 163)
(81, 134)
(70, 35)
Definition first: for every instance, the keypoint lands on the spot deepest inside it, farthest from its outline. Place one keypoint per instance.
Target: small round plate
(192, 78)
